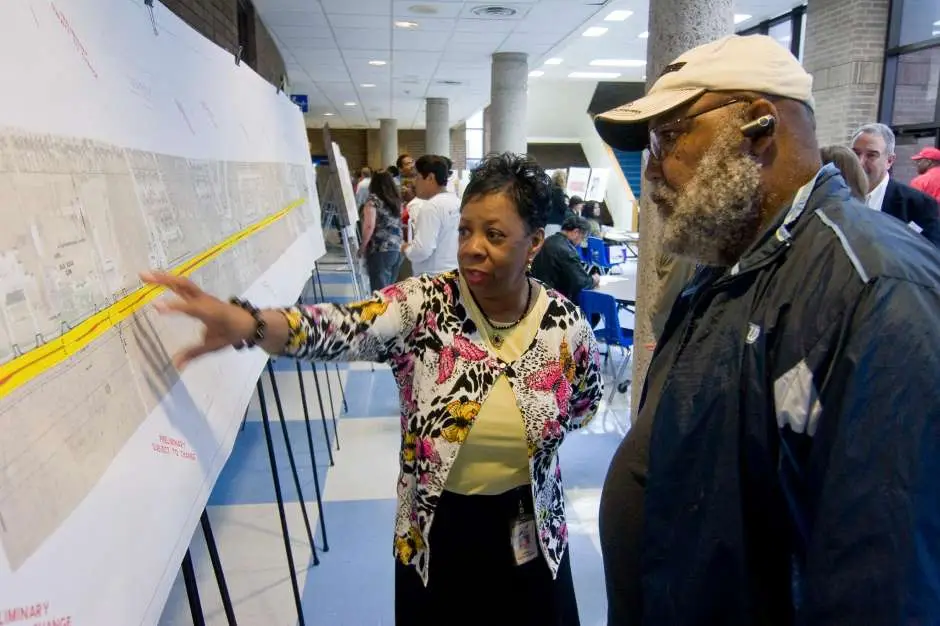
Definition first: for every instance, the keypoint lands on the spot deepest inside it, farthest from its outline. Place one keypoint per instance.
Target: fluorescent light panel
(644, 35)
(617, 63)
(594, 75)
(350, 104)
(618, 16)
(377, 63)
(594, 31)
(555, 61)
(367, 85)
(741, 17)
(405, 24)
(536, 73)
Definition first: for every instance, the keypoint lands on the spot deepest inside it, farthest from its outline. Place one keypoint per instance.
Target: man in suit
(874, 145)
(558, 263)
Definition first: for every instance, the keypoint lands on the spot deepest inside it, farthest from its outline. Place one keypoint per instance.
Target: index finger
(177, 284)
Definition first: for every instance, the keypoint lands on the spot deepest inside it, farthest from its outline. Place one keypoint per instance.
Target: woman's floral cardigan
(444, 373)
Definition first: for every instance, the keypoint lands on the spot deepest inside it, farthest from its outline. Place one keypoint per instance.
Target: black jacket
(558, 210)
(558, 266)
(911, 205)
(791, 416)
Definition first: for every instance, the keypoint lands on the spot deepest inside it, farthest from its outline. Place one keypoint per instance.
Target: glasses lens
(655, 147)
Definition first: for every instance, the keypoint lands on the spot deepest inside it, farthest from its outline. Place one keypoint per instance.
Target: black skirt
(473, 578)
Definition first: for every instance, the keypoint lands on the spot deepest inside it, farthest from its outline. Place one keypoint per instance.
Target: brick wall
(361, 146)
(844, 51)
(217, 20)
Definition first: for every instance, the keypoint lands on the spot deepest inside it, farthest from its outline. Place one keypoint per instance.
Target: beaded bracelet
(260, 324)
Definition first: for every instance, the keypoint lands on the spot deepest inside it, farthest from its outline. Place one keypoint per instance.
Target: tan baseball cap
(734, 63)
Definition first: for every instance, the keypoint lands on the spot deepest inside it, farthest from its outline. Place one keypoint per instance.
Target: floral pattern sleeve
(587, 384)
(369, 330)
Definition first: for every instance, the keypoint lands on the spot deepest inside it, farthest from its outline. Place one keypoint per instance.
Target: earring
(528, 266)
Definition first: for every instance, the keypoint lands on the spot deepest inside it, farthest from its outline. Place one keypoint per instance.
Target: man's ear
(762, 127)
(891, 159)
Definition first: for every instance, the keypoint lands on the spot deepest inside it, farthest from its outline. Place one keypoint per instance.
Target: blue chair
(599, 255)
(612, 334)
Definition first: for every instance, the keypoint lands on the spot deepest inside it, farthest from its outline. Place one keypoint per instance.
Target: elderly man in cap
(928, 170)
(783, 465)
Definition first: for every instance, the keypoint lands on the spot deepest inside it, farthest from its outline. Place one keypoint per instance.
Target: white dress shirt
(433, 247)
(876, 196)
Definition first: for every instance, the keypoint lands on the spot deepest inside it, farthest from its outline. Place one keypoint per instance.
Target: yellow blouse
(494, 458)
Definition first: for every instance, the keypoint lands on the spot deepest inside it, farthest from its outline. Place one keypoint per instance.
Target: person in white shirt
(432, 248)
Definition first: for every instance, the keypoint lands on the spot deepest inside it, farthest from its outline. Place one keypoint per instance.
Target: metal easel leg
(293, 464)
(280, 505)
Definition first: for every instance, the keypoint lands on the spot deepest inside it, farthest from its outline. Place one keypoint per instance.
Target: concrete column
(675, 26)
(844, 51)
(508, 97)
(487, 131)
(388, 140)
(437, 127)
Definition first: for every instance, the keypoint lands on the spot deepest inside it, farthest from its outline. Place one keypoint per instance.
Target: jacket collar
(827, 181)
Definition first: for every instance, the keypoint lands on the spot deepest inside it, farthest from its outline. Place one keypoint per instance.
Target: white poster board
(597, 184)
(578, 178)
(345, 183)
(120, 150)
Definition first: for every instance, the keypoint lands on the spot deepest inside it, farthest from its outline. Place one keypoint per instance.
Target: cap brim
(627, 127)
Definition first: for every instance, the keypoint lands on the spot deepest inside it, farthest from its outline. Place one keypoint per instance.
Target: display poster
(127, 141)
(578, 178)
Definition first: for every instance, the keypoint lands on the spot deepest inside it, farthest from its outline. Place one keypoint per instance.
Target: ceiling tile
(402, 9)
(355, 7)
(363, 39)
(431, 41)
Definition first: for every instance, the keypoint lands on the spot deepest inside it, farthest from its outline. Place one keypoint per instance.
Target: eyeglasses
(663, 139)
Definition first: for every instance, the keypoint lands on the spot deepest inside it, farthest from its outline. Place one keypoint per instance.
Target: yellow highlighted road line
(24, 368)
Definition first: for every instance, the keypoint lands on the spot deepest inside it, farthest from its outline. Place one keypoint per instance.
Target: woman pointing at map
(493, 370)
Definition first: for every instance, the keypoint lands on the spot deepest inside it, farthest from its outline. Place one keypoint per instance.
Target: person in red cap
(928, 168)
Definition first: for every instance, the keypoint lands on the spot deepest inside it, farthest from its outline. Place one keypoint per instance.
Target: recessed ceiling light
(377, 63)
(741, 17)
(937, 23)
(644, 35)
(329, 114)
(617, 63)
(367, 85)
(594, 75)
(594, 31)
(350, 104)
(405, 24)
(555, 61)
(536, 73)
(617, 16)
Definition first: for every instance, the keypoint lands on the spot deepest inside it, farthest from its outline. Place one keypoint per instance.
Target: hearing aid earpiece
(764, 125)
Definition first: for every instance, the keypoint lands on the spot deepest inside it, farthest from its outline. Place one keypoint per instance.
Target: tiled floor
(353, 583)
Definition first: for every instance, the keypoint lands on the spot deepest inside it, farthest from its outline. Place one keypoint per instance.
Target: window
(788, 29)
(246, 32)
(475, 139)
(920, 21)
(916, 78)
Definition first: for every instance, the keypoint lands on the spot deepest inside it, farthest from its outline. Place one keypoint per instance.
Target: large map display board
(127, 141)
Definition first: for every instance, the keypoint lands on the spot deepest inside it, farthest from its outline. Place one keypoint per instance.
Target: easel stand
(313, 456)
(290, 459)
(189, 578)
(280, 505)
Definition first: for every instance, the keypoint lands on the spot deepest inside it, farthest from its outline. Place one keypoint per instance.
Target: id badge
(524, 546)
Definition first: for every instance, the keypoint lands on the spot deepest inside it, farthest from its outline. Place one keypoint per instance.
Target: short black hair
(576, 222)
(574, 201)
(518, 176)
(434, 164)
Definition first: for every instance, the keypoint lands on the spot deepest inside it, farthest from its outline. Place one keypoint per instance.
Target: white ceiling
(327, 46)
(623, 40)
